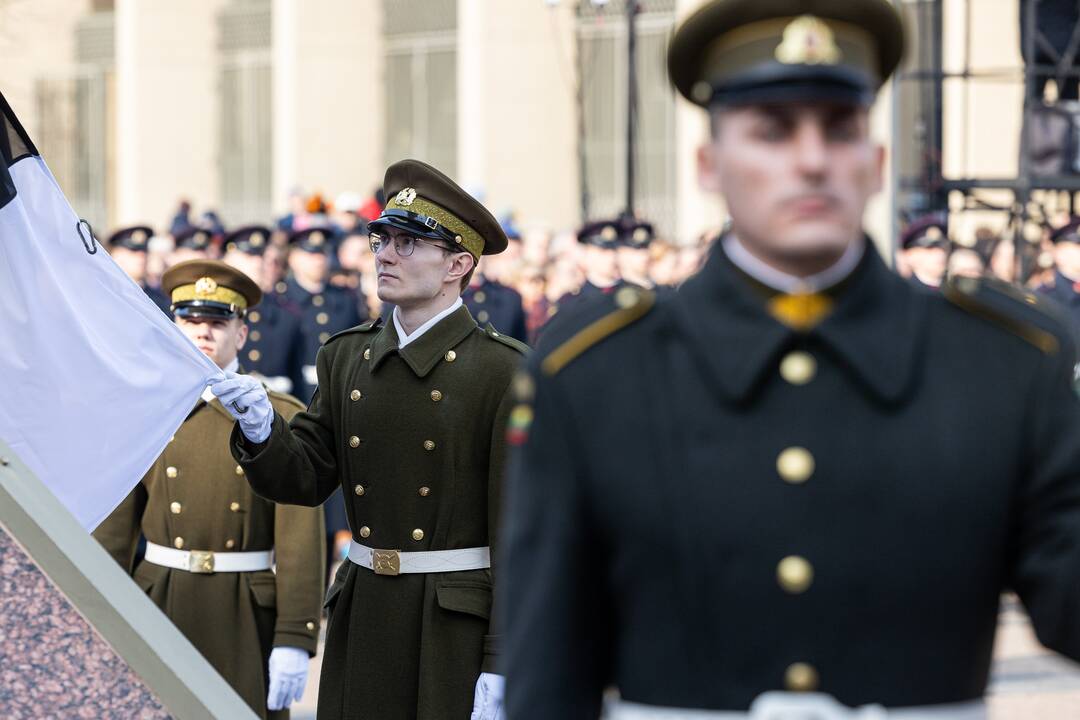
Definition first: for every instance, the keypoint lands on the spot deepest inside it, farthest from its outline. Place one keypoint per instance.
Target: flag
(94, 378)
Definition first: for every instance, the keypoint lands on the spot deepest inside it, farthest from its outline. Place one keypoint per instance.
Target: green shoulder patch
(1018, 311)
(497, 336)
(369, 326)
(631, 303)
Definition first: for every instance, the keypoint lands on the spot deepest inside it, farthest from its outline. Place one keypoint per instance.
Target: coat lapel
(424, 353)
(875, 330)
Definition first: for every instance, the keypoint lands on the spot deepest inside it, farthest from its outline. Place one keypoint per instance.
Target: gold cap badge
(406, 197)
(808, 41)
(205, 286)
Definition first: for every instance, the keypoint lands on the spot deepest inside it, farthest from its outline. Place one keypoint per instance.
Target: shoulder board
(369, 326)
(285, 398)
(1023, 313)
(622, 308)
(497, 336)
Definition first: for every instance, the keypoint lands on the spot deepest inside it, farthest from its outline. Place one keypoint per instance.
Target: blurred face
(309, 267)
(1067, 259)
(796, 178)
(220, 340)
(601, 266)
(250, 265)
(927, 264)
(415, 280)
(351, 252)
(131, 262)
(965, 263)
(633, 263)
(1003, 261)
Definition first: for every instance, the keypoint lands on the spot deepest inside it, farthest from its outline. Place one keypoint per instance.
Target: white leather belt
(206, 562)
(395, 562)
(799, 706)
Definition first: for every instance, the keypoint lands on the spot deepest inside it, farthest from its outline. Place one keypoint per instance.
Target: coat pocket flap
(464, 596)
(264, 589)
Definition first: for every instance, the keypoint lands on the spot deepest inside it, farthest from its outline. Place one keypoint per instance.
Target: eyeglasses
(404, 245)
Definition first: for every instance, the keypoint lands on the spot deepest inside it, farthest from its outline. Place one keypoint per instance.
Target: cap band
(211, 292)
(469, 238)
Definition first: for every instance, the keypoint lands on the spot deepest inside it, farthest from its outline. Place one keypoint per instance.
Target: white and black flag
(94, 378)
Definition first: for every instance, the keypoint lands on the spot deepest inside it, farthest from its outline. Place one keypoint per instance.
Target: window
(602, 47)
(245, 149)
(421, 82)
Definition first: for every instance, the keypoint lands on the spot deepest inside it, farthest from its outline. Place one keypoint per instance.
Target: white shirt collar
(792, 284)
(207, 393)
(404, 339)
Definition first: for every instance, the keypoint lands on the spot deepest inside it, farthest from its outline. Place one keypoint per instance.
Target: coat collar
(875, 331)
(424, 353)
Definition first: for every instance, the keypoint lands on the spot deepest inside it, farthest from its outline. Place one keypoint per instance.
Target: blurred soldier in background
(128, 247)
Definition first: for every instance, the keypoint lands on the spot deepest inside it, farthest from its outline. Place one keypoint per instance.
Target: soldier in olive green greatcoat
(213, 545)
(410, 420)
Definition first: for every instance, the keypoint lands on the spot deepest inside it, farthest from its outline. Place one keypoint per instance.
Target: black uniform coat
(416, 440)
(492, 302)
(650, 509)
(320, 316)
(273, 346)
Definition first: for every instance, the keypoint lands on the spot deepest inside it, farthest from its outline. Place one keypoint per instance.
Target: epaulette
(1020, 312)
(631, 303)
(497, 336)
(369, 326)
(285, 398)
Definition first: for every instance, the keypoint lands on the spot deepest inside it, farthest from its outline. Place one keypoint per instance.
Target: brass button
(355, 395)
(451, 356)
(253, 316)
(795, 465)
(429, 445)
(178, 543)
(479, 296)
(795, 574)
(365, 531)
(239, 470)
(318, 301)
(280, 286)
(323, 337)
(322, 318)
(255, 336)
(482, 316)
(230, 544)
(367, 353)
(798, 368)
(359, 489)
(801, 677)
(171, 472)
(354, 441)
(417, 534)
(627, 297)
(175, 508)
(234, 506)
(436, 396)
(310, 625)
(254, 356)
(425, 491)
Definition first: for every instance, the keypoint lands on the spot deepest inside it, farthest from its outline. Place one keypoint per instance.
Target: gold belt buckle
(386, 562)
(201, 561)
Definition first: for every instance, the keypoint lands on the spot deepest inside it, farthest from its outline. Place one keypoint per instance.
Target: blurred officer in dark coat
(923, 255)
(128, 247)
(799, 485)
(240, 576)
(324, 309)
(1065, 288)
(490, 301)
(272, 351)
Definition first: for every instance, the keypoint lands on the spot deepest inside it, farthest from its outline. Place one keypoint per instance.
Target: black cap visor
(207, 310)
(775, 83)
(414, 224)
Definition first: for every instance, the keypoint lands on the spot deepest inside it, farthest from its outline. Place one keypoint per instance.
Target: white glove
(246, 399)
(288, 676)
(488, 698)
